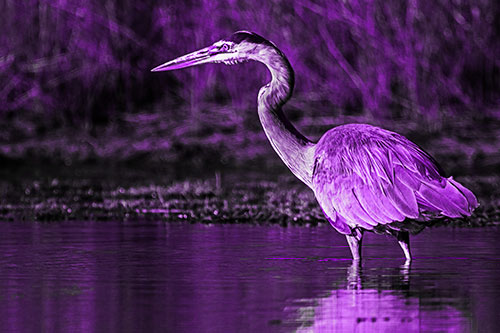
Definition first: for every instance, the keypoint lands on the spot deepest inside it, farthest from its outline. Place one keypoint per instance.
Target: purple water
(145, 276)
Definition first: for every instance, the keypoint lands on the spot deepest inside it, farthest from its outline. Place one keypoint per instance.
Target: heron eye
(224, 47)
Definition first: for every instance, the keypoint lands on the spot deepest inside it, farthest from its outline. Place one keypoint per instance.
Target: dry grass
(85, 65)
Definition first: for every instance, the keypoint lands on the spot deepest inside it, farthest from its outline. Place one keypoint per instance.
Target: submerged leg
(354, 275)
(404, 241)
(354, 241)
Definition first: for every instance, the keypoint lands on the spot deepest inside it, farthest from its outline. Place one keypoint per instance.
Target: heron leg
(355, 240)
(354, 276)
(403, 238)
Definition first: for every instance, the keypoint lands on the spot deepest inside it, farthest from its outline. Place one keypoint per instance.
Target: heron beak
(192, 59)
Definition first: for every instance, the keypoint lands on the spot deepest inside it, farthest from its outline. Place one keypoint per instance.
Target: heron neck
(296, 151)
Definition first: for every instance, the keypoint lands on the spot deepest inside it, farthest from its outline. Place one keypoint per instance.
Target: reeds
(84, 65)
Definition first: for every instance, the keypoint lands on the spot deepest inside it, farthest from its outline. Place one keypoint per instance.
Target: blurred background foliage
(76, 81)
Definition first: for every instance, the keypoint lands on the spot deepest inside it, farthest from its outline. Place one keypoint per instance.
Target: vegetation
(78, 95)
(94, 192)
(83, 67)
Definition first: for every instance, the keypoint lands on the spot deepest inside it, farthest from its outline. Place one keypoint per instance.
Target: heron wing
(373, 177)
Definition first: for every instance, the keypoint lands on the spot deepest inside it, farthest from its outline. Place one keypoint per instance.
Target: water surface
(146, 276)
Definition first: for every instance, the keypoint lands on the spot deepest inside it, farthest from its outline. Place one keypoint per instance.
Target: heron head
(239, 47)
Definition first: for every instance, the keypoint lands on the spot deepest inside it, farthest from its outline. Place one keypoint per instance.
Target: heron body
(364, 177)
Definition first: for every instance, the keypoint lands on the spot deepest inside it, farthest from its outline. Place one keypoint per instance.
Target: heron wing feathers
(350, 206)
(382, 178)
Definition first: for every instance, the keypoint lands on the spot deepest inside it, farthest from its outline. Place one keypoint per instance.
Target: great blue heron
(364, 177)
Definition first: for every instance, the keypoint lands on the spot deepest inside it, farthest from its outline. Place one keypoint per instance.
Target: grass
(220, 137)
(101, 196)
(150, 165)
(85, 65)
(105, 193)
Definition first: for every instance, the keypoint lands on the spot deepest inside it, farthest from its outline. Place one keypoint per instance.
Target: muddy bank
(99, 191)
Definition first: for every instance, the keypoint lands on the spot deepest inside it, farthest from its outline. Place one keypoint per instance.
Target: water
(149, 277)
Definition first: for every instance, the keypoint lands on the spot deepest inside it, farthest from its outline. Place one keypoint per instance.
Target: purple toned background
(77, 83)
(77, 88)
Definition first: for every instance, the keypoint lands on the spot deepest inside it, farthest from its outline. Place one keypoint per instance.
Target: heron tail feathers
(448, 197)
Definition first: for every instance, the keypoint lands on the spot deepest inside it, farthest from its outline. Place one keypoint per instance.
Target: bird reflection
(373, 300)
(354, 273)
